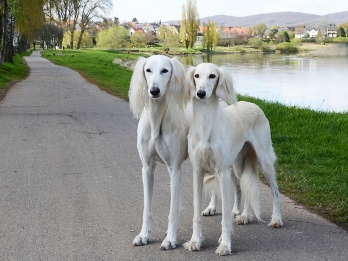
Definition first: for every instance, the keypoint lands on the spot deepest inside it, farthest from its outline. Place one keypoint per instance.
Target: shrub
(340, 40)
(286, 47)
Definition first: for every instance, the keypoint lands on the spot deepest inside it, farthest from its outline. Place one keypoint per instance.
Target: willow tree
(210, 35)
(189, 24)
(20, 17)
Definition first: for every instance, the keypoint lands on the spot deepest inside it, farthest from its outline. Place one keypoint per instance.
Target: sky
(168, 10)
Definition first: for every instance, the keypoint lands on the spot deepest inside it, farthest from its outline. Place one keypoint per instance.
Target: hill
(277, 18)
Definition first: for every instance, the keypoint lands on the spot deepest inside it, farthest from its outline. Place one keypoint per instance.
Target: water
(319, 82)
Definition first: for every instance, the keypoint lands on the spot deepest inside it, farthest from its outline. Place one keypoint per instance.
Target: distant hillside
(278, 18)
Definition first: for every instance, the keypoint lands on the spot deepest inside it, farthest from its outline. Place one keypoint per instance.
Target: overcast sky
(166, 10)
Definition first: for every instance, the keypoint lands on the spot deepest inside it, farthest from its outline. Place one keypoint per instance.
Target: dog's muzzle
(201, 94)
(155, 91)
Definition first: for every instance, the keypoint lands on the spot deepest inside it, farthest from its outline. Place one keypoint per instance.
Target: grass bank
(312, 147)
(13, 72)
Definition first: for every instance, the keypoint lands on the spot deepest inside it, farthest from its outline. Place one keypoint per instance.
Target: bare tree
(91, 9)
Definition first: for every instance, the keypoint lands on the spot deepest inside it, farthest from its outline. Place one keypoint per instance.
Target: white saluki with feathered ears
(223, 141)
(157, 97)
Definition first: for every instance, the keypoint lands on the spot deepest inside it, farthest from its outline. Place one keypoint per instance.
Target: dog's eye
(212, 76)
(196, 75)
(148, 70)
(164, 71)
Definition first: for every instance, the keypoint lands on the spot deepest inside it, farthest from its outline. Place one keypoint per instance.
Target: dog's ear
(137, 88)
(190, 84)
(176, 83)
(225, 89)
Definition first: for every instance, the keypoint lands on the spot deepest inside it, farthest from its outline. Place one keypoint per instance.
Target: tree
(189, 24)
(138, 39)
(112, 38)
(259, 29)
(19, 21)
(210, 35)
(282, 36)
(50, 34)
(89, 10)
(345, 28)
(168, 35)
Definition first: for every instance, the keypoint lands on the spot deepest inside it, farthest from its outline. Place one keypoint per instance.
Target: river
(318, 81)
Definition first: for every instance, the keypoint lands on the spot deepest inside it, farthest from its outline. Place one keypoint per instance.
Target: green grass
(312, 151)
(12, 72)
(312, 147)
(97, 67)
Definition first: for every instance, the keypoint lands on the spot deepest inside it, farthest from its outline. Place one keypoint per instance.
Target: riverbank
(199, 50)
(311, 146)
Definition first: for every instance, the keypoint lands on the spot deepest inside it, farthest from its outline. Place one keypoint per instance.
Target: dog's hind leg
(148, 182)
(211, 209)
(237, 195)
(173, 219)
(270, 174)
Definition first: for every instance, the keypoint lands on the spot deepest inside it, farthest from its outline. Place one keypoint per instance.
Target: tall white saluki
(223, 141)
(157, 97)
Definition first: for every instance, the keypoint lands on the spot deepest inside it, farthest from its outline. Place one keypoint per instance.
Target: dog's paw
(242, 220)
(193, 245)
(209, 211)
(167, 244)
(223, 250)
(276, 222)
(139, 240)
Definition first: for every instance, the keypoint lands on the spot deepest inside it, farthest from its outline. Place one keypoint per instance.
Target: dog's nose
(201, 94)
(155, 91)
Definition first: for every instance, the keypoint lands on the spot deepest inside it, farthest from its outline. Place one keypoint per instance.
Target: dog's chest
(204, 156)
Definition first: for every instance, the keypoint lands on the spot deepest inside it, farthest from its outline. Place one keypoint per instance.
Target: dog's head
(152, 78)
(208, 80)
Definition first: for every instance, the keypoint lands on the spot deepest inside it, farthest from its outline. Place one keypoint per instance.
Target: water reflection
(318, 82)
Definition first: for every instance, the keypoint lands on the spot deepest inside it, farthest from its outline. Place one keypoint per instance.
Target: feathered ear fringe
(176, 84)
(137, 88)
(225, 89)
(190, 82)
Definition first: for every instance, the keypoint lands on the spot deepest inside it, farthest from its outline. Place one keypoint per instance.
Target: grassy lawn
(12, 72)
(312, 147)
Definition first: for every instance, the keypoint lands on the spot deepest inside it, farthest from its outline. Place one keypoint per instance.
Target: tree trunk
(80, 38)
(4, 33)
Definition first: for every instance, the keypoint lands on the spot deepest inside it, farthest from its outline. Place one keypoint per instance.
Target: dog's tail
(211, 183)
(249, 183)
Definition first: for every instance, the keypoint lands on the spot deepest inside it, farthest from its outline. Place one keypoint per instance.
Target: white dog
(157, 96)
(222, 141)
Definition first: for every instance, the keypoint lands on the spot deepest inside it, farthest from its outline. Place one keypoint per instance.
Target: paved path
(70, 185)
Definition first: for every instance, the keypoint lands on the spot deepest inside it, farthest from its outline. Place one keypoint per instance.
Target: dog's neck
(156, 110)
(205, 113)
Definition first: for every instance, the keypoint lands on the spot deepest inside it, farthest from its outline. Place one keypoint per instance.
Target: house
(331, 31)
(300, 32)
(312, 33)
(234, 32)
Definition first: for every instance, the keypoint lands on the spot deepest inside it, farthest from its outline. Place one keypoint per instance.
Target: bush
(340, 40)
(286, 47)
(296, 41)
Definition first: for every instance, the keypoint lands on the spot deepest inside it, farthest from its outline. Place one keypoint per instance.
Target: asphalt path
(71, 187)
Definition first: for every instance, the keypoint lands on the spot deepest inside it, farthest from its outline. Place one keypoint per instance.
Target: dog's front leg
(175, 182)
(196, 240)
(227, 217)
(148, 181)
